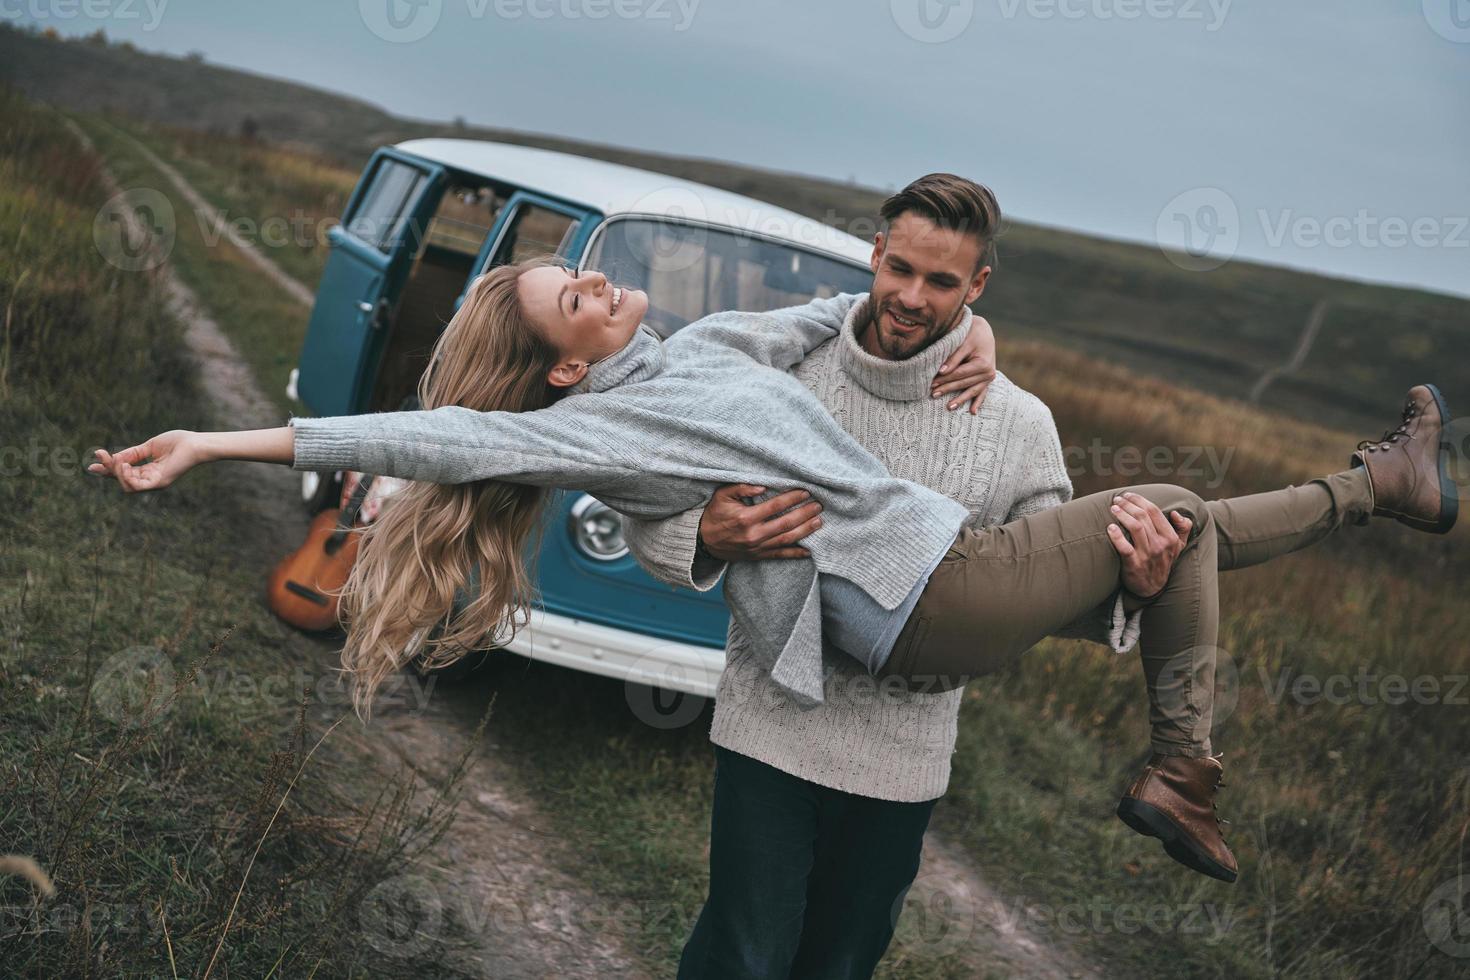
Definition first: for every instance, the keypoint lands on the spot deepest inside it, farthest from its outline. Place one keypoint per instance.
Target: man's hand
(969, 370)
(733, 530)
(1148, 559)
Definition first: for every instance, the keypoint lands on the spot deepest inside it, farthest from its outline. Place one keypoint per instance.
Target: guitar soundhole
(306, 593)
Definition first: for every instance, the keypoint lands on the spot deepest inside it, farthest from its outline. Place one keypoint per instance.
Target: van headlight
(597, 529)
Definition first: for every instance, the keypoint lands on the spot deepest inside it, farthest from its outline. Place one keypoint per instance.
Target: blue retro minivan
(430, 215)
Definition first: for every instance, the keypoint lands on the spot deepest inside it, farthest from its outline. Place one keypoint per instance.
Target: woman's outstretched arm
(561, 446)
(157, 463)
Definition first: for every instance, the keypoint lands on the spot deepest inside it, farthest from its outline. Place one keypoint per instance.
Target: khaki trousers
(1001, 589)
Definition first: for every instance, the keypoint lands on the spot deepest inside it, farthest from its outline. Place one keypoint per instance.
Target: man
(820, 811)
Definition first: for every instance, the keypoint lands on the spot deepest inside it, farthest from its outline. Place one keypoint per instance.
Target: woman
(545, 377)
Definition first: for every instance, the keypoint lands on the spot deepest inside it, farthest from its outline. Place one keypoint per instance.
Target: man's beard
(898, 348)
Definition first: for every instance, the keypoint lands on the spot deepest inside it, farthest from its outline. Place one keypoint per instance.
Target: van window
(690, 271)
(463, 219)
(379, 214)
(534, 231)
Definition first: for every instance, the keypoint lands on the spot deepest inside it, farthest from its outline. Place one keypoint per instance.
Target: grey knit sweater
(655, 428)
(1002, 464)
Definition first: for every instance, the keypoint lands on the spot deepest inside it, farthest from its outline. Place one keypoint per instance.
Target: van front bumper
(621, 654)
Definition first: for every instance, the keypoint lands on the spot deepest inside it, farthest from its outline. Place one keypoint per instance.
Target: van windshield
(690, 271)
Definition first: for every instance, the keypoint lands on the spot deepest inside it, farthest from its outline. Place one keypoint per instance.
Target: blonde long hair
(398, 600)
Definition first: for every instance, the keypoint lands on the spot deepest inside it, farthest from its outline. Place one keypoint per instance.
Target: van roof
(615, 189)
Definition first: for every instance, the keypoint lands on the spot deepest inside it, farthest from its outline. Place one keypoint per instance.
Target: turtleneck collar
(906, 380)
(640, 358)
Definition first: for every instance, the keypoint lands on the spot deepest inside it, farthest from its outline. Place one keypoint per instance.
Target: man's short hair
(951, 202)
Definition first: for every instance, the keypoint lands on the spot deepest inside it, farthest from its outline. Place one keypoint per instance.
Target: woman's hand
(970, 369)
(152, 465)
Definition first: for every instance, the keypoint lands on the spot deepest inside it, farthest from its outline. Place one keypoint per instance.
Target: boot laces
(1219, 819)
(1392, 435)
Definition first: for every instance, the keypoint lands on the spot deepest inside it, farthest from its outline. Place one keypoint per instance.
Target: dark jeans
(805, 881)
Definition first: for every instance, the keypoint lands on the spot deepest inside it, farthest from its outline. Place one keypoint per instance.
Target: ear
(977, 285)
(877, 252)
(567, 373)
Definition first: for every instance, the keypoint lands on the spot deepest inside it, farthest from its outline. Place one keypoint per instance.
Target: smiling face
(923, 277)
(583, 315)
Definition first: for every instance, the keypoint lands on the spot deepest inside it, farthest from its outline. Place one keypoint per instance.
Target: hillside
(1218, 331)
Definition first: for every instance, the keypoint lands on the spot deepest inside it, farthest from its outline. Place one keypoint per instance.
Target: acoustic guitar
(296, 591)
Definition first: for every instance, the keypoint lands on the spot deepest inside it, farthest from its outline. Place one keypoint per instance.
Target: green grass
(281, 202)
(134, 766)
(266, 326)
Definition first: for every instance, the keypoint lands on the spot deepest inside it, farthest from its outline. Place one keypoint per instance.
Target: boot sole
(1449, 493)
(1151, 822)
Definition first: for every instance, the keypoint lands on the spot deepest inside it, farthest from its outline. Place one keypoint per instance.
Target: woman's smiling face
(583, 315)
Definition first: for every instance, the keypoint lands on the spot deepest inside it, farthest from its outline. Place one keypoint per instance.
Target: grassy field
(181, 816)
(1348, 814)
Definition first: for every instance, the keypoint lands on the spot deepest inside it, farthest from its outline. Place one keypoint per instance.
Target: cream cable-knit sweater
(1004, 463)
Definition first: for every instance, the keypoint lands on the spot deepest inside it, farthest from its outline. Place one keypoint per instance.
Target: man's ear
(567, 373)
(977, 285)
(877, 252)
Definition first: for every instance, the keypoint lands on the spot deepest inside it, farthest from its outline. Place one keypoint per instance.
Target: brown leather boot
(1409, 467)
(1174, 800)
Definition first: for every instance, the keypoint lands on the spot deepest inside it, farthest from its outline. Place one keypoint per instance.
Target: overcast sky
(1324, 135)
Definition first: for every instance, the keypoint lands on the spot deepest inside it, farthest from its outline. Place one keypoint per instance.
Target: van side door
(371, 252)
